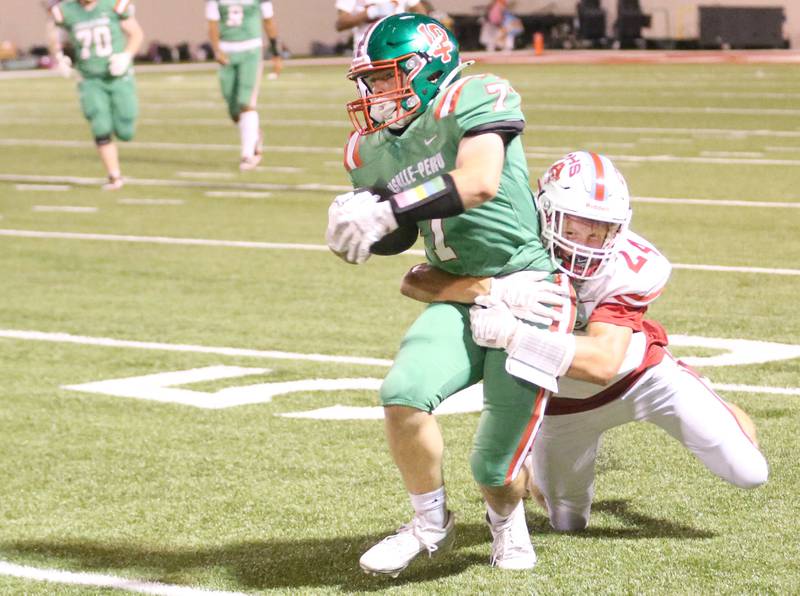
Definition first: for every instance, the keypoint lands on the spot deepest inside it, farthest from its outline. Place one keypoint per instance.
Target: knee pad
(125, 130)
(567, 519)
(102, 140)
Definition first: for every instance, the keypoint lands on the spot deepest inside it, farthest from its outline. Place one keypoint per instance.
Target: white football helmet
(588, 186)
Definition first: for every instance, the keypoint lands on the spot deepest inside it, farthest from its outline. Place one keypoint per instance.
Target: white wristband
(539, 356)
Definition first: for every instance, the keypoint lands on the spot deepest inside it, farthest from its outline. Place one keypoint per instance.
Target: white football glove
(494, 326)
(529, 296)
(63, 65)
(118, 64)
(378, 10)
(535, 355)
(356, 220)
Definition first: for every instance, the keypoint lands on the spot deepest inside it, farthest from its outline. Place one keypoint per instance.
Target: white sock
(432, 506)
(248, 132)
(498, 520)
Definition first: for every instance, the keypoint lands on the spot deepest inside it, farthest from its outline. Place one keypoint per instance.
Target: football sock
(248, 132)
(432, 506)
(495, 518)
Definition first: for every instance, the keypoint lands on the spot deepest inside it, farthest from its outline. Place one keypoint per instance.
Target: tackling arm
(599, 353)
(426, 283)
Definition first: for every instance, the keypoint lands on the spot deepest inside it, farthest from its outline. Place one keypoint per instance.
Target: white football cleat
(394, 553)
(272, 76)
(114, 183)
(250, 163)
(511, 544)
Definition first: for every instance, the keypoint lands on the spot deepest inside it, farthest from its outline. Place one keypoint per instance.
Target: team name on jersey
(91, 24)
(413, 175)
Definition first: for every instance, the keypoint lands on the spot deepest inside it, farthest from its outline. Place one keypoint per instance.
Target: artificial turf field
(193, 265)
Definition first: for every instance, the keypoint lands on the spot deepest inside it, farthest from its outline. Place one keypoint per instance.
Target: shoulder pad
(479, 99)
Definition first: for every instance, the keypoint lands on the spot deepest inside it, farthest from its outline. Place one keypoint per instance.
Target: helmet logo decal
(439, 43)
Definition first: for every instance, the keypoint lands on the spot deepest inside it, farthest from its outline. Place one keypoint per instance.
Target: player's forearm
(271, 29)
(598, 359)
(135, 36)
(429, 284)
(213, 36)
(53, 38)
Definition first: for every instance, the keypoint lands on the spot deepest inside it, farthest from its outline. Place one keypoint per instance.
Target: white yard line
(44, 187)
(221, 351)
(150, 201)
(238, 194)
(105, 581)
(311, 247)
(719, 203)
(63, 209)
(28, 335)
(686, 159)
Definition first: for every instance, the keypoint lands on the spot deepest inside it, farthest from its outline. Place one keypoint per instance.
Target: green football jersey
(95, 32)
(496, 238)
(240, 20)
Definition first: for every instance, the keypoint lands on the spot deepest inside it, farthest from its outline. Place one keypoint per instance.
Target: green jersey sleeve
(477, 102)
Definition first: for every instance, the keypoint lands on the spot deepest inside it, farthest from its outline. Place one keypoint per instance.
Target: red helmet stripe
(599, 178)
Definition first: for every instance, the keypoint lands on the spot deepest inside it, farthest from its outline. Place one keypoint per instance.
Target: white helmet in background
(587, 186)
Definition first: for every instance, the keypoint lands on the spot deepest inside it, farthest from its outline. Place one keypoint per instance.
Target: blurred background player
(356, 15)
(616, 367)
(234, 30)
(106, 37)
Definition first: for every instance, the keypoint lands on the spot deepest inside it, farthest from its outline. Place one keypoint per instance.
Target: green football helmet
(417, 54)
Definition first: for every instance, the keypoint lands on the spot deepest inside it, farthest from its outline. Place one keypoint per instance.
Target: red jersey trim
(526, 442)
(618, 314)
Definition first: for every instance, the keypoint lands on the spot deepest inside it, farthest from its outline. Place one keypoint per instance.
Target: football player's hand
(63, 65)
(493, 326)
(118, 64)
(529, 296)
(355, 222)
(221, 57)
(378, 10)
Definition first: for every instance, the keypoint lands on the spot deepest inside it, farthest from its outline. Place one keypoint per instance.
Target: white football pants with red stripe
(670, 396)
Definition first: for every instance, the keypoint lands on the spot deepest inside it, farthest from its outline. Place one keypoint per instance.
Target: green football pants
(110, 105)
(437, 358)
(240, 80)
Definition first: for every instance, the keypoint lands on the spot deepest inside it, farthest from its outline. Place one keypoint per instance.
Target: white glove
(380, 9)
(355, 222)
(118, 64)
(528, 296)
(63, 65)
(493, 327)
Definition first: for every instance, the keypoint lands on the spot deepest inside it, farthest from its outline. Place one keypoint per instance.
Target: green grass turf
(242, 499)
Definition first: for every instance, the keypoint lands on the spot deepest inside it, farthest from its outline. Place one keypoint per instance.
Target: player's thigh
(689, 410)
(125, 107)
(512, 412)
(250, 68)
(228, 80)
(96, 106)
(437, 358)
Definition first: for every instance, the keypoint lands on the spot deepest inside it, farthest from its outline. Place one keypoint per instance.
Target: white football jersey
(631, 281)
(355, 6)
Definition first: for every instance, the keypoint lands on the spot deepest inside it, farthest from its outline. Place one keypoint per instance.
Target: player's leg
(228, 78)
(434, 361)
(249, 83)
(124, 107)
(679, 401)
(96, 106)
(564, 456)
(512, 413)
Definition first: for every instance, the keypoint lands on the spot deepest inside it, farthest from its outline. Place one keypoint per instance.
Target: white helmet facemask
(586, 186)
